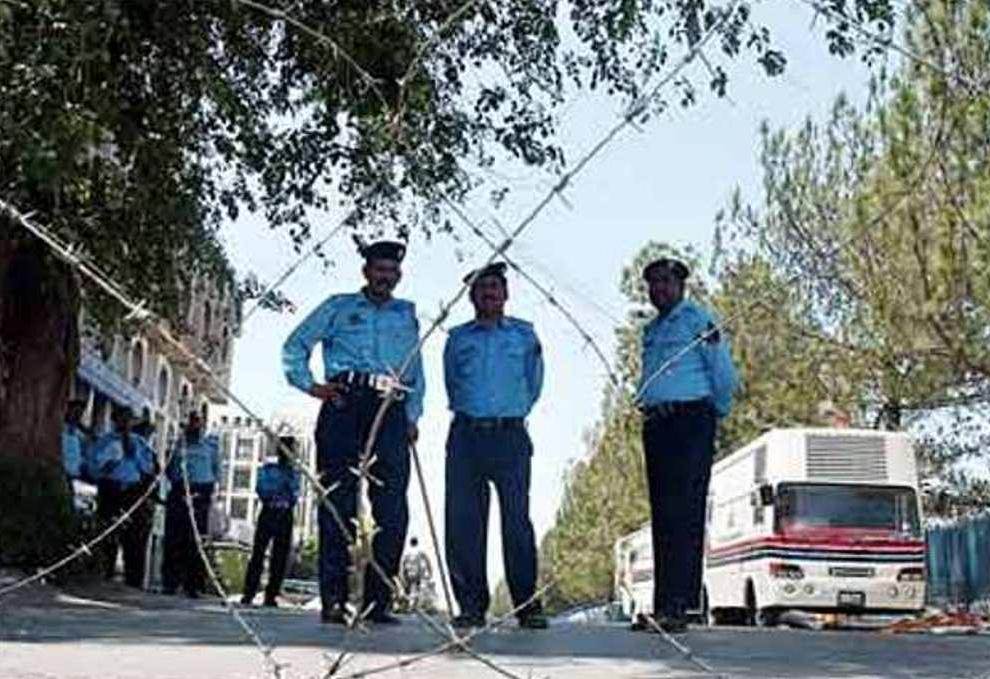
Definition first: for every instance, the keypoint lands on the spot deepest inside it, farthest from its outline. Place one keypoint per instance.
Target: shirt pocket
(512, 358)
(351, 336)
(467, 359)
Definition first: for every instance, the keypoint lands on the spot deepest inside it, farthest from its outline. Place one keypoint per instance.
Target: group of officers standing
(493, 374)
(124, 467)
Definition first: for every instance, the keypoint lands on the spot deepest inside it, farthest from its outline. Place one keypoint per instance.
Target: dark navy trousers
(275, 527)
(679, 450)
(341, 433)
(181, 560)
(475, 459)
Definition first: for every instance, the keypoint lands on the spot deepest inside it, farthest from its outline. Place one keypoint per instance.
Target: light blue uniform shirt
(73, 451)
(493, 371)
(278, 484)
(202, 461)
(359, 335)
(705, 371)
(111, 464)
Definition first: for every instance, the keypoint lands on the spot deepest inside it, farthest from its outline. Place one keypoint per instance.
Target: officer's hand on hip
(413, 433)
(326, 392)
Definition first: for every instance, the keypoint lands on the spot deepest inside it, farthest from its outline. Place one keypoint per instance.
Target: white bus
(822, 520)
(634, 573)
(815, 519)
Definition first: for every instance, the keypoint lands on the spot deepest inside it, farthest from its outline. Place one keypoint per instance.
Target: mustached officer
(493, 368)
(366, 337)
(682, 393)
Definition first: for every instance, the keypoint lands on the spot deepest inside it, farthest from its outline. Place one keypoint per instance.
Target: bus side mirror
(766, 495)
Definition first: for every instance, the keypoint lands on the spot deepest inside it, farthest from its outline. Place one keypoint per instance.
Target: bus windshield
(819, 505)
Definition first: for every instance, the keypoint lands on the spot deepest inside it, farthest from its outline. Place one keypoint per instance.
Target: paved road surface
(113, 633)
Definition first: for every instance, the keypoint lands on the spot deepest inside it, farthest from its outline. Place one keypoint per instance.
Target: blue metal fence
(958, 561)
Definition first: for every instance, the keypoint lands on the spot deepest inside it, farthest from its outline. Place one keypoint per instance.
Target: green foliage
(231, 565)
(34, 495)
(860, 286)
(307, 565)
(137, 129)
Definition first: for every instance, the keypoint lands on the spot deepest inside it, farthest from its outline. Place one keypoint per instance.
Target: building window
(207, 319)
(137, 363)
(184, 401)
(162, 387)
(245, 449)
(239, 508)
(242, 478)
(225, 345)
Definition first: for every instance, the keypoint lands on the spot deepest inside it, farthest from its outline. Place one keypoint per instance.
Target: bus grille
(846, 458)
(851, 571)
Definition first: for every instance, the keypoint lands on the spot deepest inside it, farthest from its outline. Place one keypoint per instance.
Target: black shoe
(247, 600)
(333, 616)
(384, 619)
(674, 624)
(169, 591)
(466, 621)
(192, 594)
(270, 603)
(533, 621)
(641, 623)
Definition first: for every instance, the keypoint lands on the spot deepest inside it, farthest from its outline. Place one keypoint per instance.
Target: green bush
(37, 523)
(231, 567)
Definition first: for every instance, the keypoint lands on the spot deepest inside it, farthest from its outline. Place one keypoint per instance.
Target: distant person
(416, 570)
(200, 455)
(145, 427)
(75, 441)
(682, 395)
(123, 466)
(493, 369)
(367, 337)
(278, 489)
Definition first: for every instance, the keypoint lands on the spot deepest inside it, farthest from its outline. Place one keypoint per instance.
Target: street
(113, 633)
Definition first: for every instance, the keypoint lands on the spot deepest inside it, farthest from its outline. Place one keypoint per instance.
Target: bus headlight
(892, 591)
(788, 571)
(789, 589)
(809, 589)
(911, 574)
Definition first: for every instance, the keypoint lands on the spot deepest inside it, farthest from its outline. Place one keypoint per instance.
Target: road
(108, 632)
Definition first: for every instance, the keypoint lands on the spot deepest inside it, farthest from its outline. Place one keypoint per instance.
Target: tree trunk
(39, 349)
(39, 352)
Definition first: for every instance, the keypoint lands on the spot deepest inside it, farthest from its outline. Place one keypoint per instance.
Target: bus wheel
(756, 616)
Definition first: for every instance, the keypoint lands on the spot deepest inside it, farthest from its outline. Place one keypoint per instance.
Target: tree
(135, 130)
(877, 221)
(859, 284)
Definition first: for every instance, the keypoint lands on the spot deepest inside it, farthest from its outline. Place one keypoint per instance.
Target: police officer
(493, 368)
(123, 465)
(682, 394)
(367, 337)
(200, 455)
(416, 570)
(277, 488)
(75, 440)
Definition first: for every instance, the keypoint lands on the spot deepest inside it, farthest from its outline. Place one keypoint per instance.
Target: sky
(664, 183)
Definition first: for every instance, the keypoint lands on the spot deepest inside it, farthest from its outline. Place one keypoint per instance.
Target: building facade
(148, 374)
(244, 449)
(157, 379)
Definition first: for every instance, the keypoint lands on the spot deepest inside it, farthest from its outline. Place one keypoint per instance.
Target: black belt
(377, 382)
(489, 422)
(700, 406)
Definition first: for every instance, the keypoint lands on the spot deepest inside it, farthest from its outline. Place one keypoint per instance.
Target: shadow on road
(112, 614)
